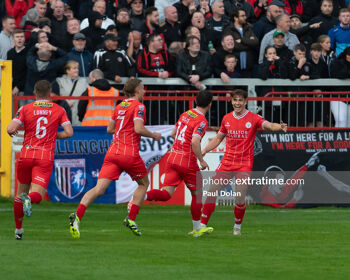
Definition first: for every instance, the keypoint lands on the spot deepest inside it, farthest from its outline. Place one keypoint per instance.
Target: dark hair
(344, 53)
(316, 47)
(130, 87)
(17, 31)
(344, 10)
(42, 89)
(267, 48)
(300, 47)
(151, 37)
(204, 98)
(6, 17)
(236, 12)
(239, 92)
(230, 55)
(150, 10)
(189, 40)
(330, 1)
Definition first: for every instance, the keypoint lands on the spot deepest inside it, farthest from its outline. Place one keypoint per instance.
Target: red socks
(18, 212)
(35, 197)
(208, 209)
(196, 208)
(158, 195)
(239, 213)
(81, 211)
(134, 211)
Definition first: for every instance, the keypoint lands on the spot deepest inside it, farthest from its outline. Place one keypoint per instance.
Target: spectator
(161, 5)
(298, 67)
(340, 34)
(246, 42)
(341, 70)
(192, 31)
(94, 33)
(282, 24)
(259, 7)
(193, 65)
(68, 13)
(154, 60)
(31, 23)
(151, 24)
(6, 38)
(185, 9)
(113, 62)
(171, 28)
(328, 55)
(217, 22)
(233, 5)
(227, 47)
(58, 24)
(40, 7)
(282, 50)
(207, 36)
(42, 66)
(137, 16)
(70, 84)
(267, 22)
(18, 9)
(205, 8)
(97, 112)
(123, 24)
(135, 47)
(73, 28)
(230, 64)
(80, 54)
(327, 19)
(100, 7)
(19, 68)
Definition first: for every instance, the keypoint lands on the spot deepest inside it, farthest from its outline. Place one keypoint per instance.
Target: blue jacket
(84, 58)
(340, 38)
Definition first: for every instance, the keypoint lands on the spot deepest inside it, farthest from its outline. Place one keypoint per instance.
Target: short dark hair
(151, 37)
(6, 17)
(316, 47)
(150, 10)
(17, 31)
(130, 87)
(230, 55)
(42, 89)
(239, 92)
(299, 47)
(204, 98)
(189, 39)
(235, 13)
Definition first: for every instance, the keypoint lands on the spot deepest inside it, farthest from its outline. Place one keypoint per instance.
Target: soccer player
(240, 128)
(40, 120)
(182, 161)
(127, 125)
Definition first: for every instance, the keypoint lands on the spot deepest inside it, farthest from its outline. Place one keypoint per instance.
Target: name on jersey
(43, 104)
(42, 112)
(237, 134)
(125, 104)
(185, 120)
(192, 114)
(121, 112)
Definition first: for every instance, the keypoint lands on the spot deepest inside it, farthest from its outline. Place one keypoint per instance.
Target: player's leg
(240, 205)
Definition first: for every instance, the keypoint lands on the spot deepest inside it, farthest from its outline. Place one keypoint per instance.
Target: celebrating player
(182, 161)
(127, 125)
(240, 128)
(40, 120)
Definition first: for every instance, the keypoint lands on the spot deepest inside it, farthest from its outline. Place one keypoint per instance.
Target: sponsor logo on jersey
(43, 104)
(200, 129)
(192, 114)
(140, 113)
(28, 146)
(248, 124)
(70, 176)
(125, 104)
(121, 112)
(227, 124)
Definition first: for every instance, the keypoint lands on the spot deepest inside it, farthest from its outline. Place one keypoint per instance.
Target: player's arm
(173, 132)
(275, 126)
(67, 131)
(111, 127)
(141, 130)
(12, 128)
(214, 143)
(196, 146)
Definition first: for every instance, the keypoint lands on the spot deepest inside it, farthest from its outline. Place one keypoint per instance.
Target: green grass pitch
(275, 244)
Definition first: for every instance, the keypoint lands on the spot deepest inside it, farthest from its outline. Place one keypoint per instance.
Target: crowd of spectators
(62, 41)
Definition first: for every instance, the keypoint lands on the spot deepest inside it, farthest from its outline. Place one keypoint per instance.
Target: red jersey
(240, 134)
(41, 120)
(191, 123)
(126, 141)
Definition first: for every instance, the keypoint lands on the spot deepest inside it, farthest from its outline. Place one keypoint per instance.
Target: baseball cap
(79, 36)
(277, 3)
(278, 32)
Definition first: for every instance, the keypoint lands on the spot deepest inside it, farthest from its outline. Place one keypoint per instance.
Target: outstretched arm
(214, 143)
(141, 130)
(275, 126)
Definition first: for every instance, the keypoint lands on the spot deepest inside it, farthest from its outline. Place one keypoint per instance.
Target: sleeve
(222, 129)
(64, 118)
(259, 121)
(19, 117)
(114, 116)
(199, 129)
(140, 113)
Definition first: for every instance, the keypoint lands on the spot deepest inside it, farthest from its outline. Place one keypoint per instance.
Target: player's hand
(117, 79)
(284, 126)
(204, 165)
(204, 153)
(157, 136)
(13, 133)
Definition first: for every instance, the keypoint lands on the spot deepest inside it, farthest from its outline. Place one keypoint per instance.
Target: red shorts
(114, 165)
(228, 172)
(175, 174)
(37, 171)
